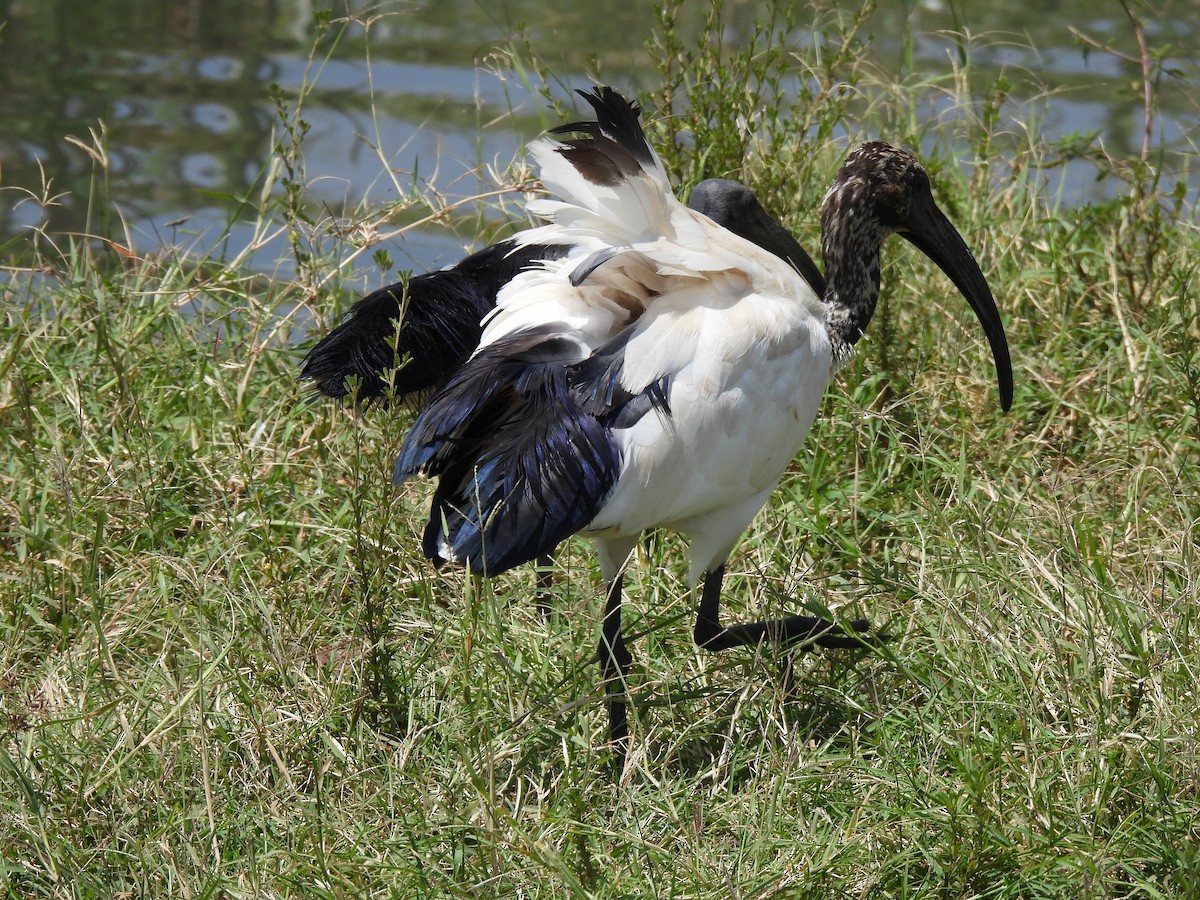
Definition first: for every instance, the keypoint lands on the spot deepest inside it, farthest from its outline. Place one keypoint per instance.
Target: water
(182, 88)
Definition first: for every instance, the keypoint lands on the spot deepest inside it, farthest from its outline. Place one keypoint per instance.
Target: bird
(661, 375)
(418, 332)
(439, 313)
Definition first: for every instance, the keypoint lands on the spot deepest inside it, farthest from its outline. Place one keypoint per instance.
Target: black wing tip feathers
(608, 102)
(439, 317)
(610, 107)
(349, 359)
(617, 118)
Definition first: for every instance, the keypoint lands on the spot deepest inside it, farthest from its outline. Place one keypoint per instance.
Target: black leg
(711, 635)
(614, 666)
(545, 580)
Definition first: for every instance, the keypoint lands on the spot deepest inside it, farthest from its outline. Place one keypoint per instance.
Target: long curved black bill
(931, 232)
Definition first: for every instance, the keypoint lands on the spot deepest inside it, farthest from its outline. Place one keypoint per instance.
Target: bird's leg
(614, 665)
(545, 581)
(711, 635)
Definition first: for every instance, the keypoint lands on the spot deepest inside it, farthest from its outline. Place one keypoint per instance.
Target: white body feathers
(739, 335)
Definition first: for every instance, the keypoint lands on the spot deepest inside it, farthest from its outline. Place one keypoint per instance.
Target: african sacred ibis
(440, 313)
(662, 375)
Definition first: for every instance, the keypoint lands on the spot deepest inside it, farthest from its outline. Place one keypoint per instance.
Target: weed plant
(225, 671)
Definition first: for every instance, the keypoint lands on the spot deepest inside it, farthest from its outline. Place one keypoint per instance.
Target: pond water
(182, 90)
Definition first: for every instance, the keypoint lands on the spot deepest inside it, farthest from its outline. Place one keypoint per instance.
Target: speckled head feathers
(871, 197)
(880, 179)
(879, 191)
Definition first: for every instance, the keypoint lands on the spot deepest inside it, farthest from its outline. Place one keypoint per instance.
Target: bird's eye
(891, 206)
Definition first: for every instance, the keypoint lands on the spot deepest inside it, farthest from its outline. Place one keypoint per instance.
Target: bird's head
(882, 190)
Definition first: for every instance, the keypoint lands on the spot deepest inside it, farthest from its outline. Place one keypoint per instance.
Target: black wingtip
(357, 350)
(617, 118)
(609, 103)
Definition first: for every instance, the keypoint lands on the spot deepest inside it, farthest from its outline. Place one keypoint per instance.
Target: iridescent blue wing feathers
(521, 440)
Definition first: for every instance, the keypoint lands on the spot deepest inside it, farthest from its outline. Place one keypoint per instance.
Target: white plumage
(736, 330)
(663, 374)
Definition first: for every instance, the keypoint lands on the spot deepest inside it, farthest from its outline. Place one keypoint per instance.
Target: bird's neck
(852, 285)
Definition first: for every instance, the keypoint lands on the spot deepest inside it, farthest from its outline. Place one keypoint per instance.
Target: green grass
(225, 670)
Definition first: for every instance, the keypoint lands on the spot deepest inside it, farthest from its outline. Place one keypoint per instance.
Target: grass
(226, 672)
